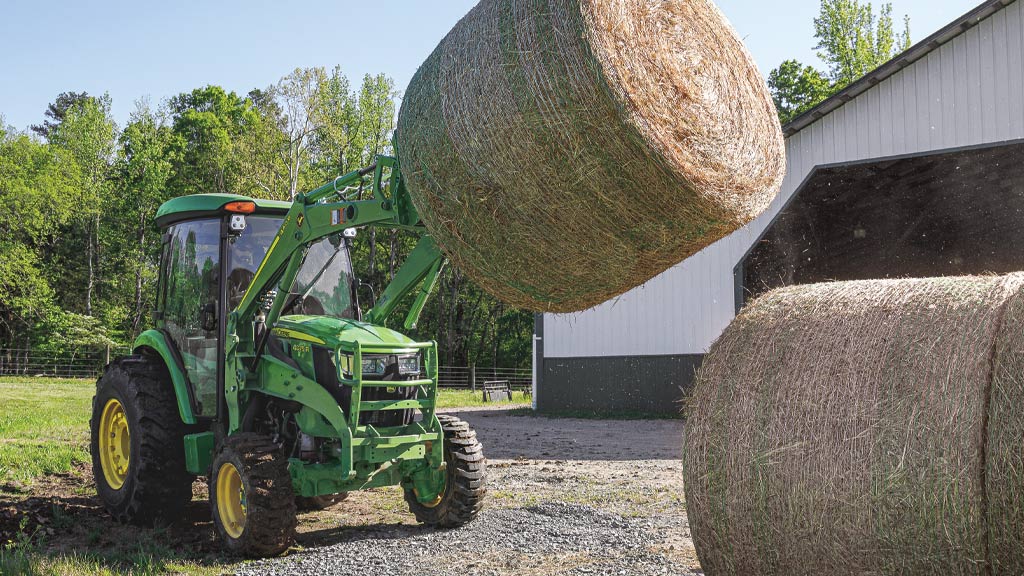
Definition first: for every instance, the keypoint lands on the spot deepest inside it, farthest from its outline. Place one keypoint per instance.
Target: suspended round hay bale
(562, 152)
(842, 429)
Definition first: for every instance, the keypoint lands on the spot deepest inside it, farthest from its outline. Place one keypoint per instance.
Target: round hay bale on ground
(1004, 454)
(564, 151)
(842, 428)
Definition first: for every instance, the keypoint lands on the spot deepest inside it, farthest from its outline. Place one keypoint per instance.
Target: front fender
(156, 341)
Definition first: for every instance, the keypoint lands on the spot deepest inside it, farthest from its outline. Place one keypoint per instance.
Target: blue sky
(135, 49)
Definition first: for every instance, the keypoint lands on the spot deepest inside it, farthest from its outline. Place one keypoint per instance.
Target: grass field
(44, 425)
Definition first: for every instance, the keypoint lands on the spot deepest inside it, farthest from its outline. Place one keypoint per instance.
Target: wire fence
(89, 363)
(474, 377)
(84, 363)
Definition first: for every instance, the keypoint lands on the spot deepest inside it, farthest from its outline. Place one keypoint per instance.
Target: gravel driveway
(566, 496)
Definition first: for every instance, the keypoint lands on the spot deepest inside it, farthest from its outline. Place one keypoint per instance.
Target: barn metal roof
(901, 61)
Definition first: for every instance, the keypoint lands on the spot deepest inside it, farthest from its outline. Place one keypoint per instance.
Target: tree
(259, 151)
(35, 181)
(852, 41)
(56, 111)
(79, 248)
(88, 133)
(797, 88)
(299, 116)
(208, 124)
(143, 169)
(339, 135)
(313, 128)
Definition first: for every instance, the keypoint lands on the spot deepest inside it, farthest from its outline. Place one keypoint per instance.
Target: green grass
(147, 556)
(44, 426)
(44, 423)
(459, 398)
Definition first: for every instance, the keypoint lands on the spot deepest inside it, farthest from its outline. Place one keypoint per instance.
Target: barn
(917, 169)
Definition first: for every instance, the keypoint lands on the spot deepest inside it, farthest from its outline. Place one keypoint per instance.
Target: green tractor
(264, 375)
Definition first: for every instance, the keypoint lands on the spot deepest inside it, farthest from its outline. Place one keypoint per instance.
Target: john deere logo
(300, 220)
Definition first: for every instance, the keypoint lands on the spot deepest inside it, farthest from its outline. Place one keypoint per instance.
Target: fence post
(472, 377)
(108, 355)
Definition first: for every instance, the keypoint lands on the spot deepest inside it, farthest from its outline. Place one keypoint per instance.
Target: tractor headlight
(374, 364)
(380, 365)
(409, 364)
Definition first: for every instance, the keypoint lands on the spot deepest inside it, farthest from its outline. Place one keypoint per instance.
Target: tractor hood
(331, 332)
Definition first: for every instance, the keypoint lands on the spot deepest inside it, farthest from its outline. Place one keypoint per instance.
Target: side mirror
(369, 288)
(208, 317)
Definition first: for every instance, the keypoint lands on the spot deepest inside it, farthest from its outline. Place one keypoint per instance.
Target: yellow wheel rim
(115, 444)
(231, 500)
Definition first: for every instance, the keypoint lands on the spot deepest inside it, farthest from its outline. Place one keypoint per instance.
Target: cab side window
(189, 299)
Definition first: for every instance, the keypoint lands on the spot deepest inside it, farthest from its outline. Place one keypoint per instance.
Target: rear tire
(266, 525)
(154, 487)
(466, 479)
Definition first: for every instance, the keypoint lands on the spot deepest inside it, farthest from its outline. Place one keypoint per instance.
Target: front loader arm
(421, 269)
(328, 210)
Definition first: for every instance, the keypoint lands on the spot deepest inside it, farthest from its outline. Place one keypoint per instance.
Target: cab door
(188, 303)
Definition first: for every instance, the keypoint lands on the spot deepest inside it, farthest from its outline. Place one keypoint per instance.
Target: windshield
(323, 286)
(246, 252)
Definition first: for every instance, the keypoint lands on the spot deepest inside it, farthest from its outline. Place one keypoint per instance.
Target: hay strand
(564, 151)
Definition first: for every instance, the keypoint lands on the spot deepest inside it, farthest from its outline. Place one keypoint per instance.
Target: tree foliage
(79, 247)
(36, 179)
(797, 88)
(56, 111)
(852, 40)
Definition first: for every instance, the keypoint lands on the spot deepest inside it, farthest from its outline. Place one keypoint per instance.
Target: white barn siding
(969, 91)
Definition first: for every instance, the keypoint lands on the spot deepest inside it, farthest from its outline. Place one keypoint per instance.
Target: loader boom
(328, 210)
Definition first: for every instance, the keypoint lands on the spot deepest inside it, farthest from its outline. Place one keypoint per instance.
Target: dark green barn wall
(612, 384)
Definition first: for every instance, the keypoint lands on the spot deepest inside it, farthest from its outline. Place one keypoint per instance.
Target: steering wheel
(238, 282)
(311, 306)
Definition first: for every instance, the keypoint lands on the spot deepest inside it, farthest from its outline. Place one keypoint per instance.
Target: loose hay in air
(565, 151)
(869, 427)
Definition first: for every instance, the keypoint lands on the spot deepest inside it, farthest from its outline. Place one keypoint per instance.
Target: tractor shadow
(346, 534)
(61, 517)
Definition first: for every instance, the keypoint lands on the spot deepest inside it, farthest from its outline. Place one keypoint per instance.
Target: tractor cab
(209, 237)
(212, 236)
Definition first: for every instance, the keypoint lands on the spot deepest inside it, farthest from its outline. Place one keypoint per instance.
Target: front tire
(465, 479)
(138, 457)
(251, 496)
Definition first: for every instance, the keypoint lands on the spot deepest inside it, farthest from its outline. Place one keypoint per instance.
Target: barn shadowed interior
(953, 213)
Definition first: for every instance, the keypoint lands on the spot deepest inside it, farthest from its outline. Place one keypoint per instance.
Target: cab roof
(200, 205)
